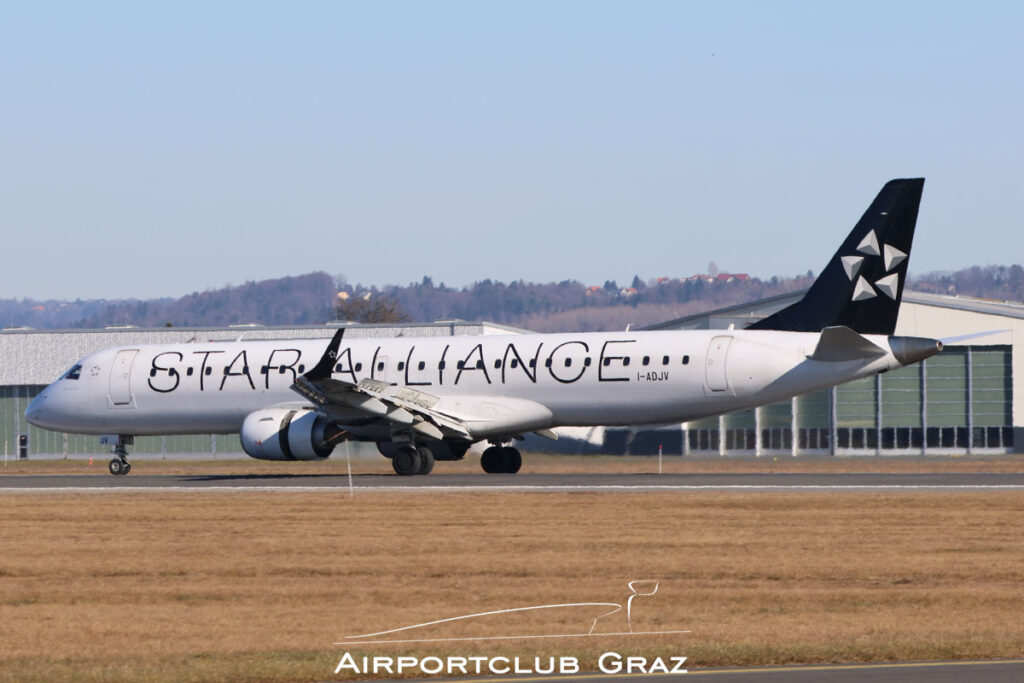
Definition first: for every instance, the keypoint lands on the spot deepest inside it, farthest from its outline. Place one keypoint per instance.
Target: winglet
(324, 368)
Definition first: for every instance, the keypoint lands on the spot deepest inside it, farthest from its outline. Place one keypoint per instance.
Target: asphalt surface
(519, 482)
(997, 671)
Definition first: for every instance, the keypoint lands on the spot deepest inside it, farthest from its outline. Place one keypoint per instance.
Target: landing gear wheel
(426, 460)
(490, 460)
(511, 460)
(406, 461)
(119, 467)
(127, 467)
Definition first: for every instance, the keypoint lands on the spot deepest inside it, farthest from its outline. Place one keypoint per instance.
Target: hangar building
(960, 401)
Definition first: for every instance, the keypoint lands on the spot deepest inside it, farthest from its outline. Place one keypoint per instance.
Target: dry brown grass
(244, 586)
(547, 463)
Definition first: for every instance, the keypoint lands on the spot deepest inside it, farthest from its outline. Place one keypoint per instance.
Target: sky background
(155, 150)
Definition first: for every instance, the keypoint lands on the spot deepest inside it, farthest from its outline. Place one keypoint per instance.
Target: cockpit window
(73, 373)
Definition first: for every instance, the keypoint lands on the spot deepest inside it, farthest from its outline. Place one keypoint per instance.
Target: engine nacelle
(284, 434)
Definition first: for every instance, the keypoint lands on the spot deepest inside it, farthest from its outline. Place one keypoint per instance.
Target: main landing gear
(501, 460)
(409, 460)
(119, 465)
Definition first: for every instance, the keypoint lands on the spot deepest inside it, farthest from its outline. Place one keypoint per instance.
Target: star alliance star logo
(889, 284)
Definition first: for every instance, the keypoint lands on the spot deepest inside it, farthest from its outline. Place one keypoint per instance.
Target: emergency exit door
(718, 352)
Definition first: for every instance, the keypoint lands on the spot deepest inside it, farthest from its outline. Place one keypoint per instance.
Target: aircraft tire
(406, 461)
(426, 460)
(511, 460)
(118, 467)
(491, 460)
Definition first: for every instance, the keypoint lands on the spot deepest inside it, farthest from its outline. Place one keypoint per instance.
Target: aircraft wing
(437, 417)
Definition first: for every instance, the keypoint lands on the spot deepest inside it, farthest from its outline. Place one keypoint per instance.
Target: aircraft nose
(37, 409)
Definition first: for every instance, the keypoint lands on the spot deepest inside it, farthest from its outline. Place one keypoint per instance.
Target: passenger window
(586, 362)
(460, 365)
(422, 366)
(479, 365)
(625, 361)
(497, 364)
(337, 368)
(686, 360)
(440, 366)
(547, 363)
(152, 373)
(302, 369)
(568, 362)
(209, 371)
(359, 366)
(647, 360)
(515, 363)
(664, 360)
(533, 362)
(189, 371)
(401, 365)
(380, 367)
(607, 362)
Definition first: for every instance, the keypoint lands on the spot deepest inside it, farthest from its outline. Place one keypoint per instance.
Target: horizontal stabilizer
(840, 343)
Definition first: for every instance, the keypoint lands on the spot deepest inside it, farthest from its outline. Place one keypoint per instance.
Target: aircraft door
(120, 390)
(714, 368)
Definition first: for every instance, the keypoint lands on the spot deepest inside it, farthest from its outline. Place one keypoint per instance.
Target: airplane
(423, 400)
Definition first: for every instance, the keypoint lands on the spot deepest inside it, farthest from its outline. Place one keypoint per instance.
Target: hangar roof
(742, 315)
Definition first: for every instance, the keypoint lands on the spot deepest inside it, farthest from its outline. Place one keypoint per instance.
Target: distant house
(628, 292)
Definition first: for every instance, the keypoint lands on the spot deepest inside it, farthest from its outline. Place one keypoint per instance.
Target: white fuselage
(620, 378)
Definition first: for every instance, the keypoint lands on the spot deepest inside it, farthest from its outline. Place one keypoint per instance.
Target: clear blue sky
(154, 150)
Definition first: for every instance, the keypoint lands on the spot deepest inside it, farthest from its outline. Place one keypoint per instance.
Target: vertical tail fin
(862, 286)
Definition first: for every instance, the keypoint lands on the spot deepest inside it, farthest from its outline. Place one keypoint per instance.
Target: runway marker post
(659, 458)
(348, 462)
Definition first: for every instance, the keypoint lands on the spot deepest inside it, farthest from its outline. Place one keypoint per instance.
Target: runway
(515, 483)
(993, 671)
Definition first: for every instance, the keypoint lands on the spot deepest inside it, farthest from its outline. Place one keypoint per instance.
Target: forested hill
(564, 306)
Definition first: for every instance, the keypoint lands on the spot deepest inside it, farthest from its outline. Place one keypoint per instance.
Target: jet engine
(286, 434)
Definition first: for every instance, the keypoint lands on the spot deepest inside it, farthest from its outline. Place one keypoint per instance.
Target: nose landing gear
(119, 465)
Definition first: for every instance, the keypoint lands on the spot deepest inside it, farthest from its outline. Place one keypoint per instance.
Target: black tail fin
(862, 286)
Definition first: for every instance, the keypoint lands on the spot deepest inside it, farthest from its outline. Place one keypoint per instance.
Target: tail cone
(913, 349)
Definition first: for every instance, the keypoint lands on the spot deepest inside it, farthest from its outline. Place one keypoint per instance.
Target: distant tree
(378, 308)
